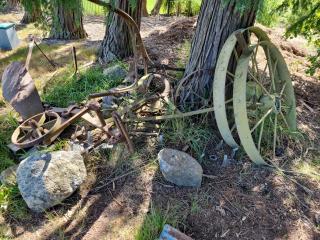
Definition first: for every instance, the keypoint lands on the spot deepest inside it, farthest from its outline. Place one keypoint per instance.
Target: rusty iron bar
(48, 59)
(123, 130)
(75, 61)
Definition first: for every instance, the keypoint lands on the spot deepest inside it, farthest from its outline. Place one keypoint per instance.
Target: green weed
(154, 223)
(12, 204)
(195, 208)
(7, 125)
(182, 131)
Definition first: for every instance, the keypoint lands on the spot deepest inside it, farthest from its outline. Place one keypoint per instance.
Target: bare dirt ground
(241, 202)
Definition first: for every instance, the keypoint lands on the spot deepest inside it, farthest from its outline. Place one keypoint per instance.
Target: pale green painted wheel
(264, 103)
(223, 80)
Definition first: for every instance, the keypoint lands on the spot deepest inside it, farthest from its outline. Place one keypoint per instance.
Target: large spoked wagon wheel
(264, 103)
(224, 78)
(36, 129)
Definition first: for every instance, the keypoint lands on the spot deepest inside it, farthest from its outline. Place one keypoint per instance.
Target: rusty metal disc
(36, 129)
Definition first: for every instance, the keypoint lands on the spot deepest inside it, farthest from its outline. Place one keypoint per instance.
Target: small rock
(221, 210)
(115, 71)
(46, 179)
(9, 176)
(180, 168)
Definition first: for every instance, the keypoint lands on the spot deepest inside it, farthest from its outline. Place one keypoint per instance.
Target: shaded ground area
(239, 202)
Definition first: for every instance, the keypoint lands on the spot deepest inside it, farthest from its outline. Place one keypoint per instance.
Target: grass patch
(12, 204)
(182, 131)
(310, 169)
(90, 8)
(7, 125)
(154, 223)
(66, 89)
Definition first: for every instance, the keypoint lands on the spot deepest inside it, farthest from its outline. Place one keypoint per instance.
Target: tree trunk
(67, 21)
(11, 5)
(117, 42)
(144, 11)
(156, 8)
(31, 14)
(216, 22)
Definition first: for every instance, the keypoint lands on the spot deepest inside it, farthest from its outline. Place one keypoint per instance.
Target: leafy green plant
(266, 14)
(304, 20)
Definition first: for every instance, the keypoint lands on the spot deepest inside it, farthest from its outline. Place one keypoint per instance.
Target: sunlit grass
(310, 169)
(66, 89)
(92, 9)
(154, 222)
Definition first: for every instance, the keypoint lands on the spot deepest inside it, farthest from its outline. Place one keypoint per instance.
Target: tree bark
(156, 8)
(216, 22)
(117, 42)
(11, 5)
(67, 22)
(144, 11)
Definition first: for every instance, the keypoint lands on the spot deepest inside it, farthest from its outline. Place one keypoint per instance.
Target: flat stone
(180, 168)
(115, 71)
(46, 179)
(9, 176)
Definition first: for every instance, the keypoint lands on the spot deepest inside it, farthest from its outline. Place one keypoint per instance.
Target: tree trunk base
(216, 22)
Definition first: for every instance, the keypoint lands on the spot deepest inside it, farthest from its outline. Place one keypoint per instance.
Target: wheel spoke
(283, 88)
(261, 120)
(236, 54)
(284, 119)
(254, 61)
(229, 101)
(233, 128)
(260, 84)
(275, 135)
(231, 75)
(273, 76)
(260, 136)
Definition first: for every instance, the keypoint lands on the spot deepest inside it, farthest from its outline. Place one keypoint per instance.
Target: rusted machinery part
(143, 82)
(275, 110)
(227, 53)
(172, 116)
(36, 129)
(131, 23)
(123, 130)
(115, 91)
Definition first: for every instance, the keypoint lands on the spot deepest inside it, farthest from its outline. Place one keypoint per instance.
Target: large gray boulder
(180, 168)
(46, 179)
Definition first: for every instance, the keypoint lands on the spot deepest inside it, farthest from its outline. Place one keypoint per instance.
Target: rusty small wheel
(36, 129)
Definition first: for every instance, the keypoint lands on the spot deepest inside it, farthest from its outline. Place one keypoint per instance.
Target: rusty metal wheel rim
(28, 132)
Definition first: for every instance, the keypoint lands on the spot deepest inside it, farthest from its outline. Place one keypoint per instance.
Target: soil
(241, 201)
